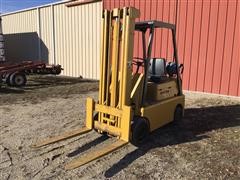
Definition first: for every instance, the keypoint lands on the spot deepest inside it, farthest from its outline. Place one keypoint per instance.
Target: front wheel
(18, 79)
(7, 79)
(140, 130)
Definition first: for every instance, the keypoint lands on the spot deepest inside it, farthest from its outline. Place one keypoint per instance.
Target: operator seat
(157, 70)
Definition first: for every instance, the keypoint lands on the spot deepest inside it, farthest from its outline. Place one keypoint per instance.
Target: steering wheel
(138, 63)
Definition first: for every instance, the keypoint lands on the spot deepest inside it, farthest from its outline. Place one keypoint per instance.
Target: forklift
(132, 102)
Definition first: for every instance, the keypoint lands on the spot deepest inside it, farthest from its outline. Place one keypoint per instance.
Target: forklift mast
(116, 71)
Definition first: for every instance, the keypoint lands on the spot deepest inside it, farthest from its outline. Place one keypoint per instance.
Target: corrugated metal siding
(207, 39)
(25, 22)
(46, 34)
(20, 30)
(72, 33)
(78, 38)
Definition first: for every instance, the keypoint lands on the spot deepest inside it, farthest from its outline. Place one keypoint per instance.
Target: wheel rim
(19, 80)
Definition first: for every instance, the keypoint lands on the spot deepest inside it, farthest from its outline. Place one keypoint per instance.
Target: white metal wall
(66, 36)
(21, 36)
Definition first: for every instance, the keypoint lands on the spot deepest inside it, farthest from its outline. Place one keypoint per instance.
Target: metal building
(2, 51)
(58, 34)
(207, 38)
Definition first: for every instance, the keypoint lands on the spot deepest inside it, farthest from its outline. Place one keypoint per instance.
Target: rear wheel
(178, 113)
(0, 82)
(57, 70)
(7, 79)
(140, 130)
(18, 79)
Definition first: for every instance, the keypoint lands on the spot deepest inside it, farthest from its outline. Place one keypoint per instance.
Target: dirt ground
(205, 145)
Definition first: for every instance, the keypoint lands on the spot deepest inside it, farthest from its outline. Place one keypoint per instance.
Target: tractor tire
(140, 130)
(7, 79)
(57, 71)
(1, 81)
(18, 79)
(178, 113)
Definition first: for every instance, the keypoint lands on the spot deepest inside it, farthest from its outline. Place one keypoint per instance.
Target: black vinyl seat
(157, 70)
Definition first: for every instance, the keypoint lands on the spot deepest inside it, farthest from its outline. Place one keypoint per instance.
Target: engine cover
(162, 91)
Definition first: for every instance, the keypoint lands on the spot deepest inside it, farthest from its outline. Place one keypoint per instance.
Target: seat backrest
(157, 67)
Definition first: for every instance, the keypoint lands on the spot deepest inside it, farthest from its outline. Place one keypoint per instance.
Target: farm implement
(15, 74)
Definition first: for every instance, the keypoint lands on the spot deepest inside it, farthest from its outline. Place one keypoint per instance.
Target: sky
(14, 5)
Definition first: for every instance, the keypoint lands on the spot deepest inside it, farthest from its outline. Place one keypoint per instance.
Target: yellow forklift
(132, 103)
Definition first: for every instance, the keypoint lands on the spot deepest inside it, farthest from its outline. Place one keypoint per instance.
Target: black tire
(57, 70)
(18, 79)
(178, 113)
(7, 79)
(1, 81)
(140, 130)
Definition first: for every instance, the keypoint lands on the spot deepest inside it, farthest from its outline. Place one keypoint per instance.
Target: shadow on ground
(7, 90)
(195, 123)
(40, 88)
(88, 145)
(39, 82)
